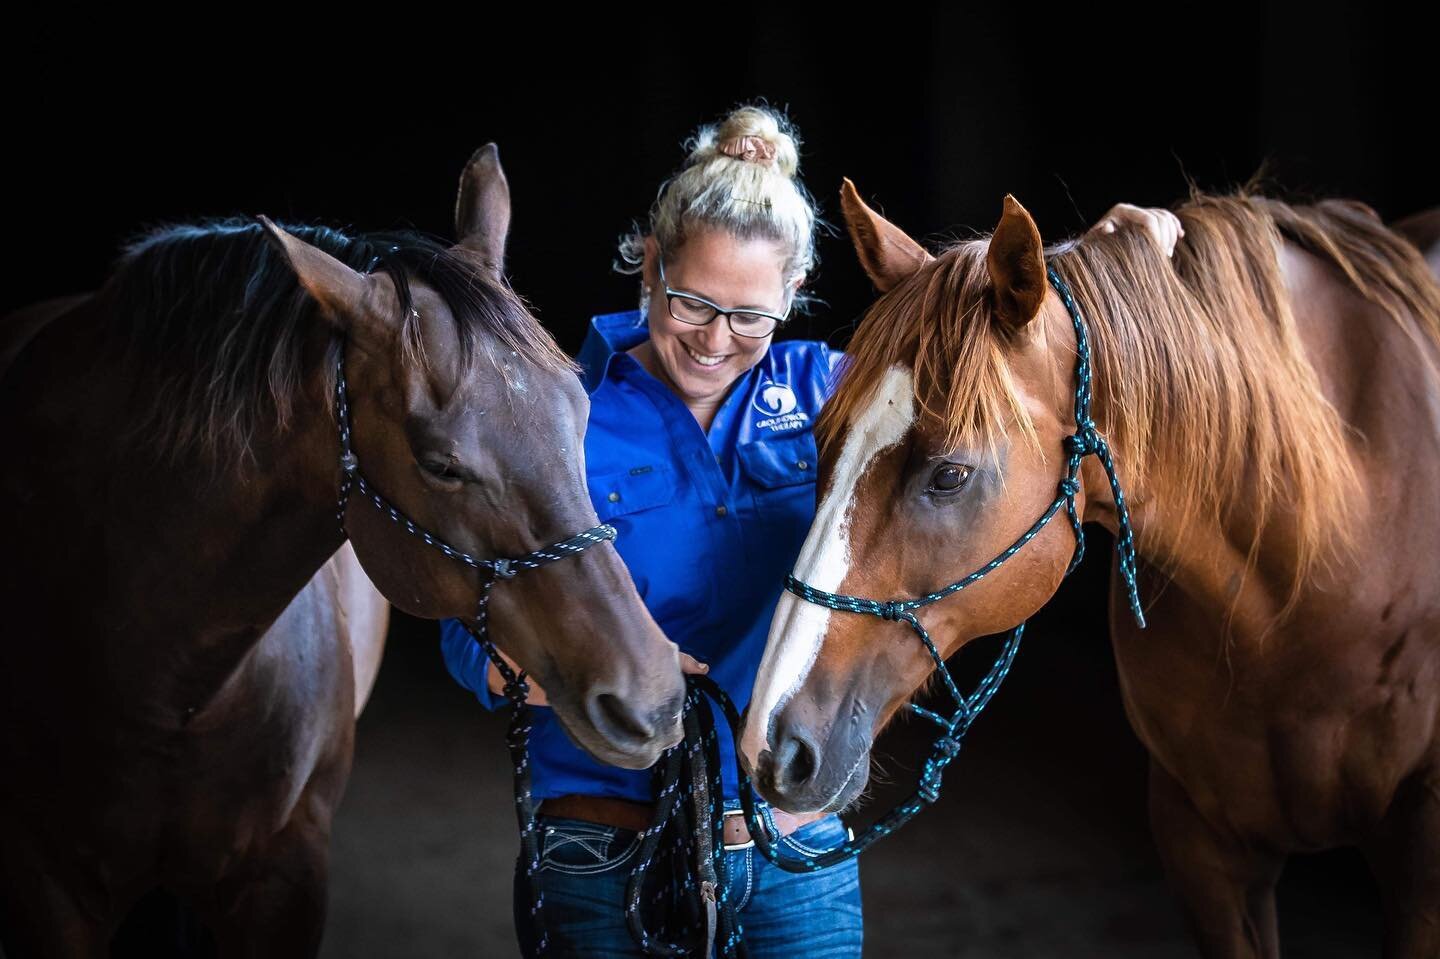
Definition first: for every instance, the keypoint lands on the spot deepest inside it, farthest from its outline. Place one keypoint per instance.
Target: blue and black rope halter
(516, 689)
(1085, 441)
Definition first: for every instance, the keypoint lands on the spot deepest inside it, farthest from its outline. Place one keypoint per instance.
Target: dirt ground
(1038, 848)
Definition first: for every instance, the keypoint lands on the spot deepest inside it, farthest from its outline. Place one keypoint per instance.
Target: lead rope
(516, 689)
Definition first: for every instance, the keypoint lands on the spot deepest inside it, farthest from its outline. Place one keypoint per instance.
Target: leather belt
(636, 816)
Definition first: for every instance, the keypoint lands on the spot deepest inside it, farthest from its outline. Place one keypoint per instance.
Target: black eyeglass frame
(672, 295)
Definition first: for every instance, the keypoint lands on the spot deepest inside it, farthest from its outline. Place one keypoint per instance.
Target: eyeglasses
(698, 311)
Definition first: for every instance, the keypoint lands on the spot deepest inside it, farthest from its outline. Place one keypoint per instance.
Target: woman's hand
(688, 664)
(1162, 225)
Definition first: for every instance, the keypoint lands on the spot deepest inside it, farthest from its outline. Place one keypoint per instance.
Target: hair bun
(753, 133)
(751, 149)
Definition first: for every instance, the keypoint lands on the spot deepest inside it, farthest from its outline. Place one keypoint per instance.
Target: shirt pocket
(630, 491)
(778, 463)
(781, 475)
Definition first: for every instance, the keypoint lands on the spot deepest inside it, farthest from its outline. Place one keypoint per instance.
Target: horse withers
(1272, 401)
(171, 713)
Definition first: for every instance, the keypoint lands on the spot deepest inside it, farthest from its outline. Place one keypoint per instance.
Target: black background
(936, 114)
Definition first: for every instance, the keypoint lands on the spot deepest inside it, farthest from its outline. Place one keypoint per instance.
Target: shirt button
(802, 464)
(721, 510)
(614, 497)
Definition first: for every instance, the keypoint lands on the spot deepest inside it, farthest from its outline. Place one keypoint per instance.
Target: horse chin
(851, 790)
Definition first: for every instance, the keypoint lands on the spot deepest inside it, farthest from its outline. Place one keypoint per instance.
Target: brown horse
(170, 713)
(1272, 398)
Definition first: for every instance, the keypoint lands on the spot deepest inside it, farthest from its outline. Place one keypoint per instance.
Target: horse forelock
(938, 325)
(212, 324)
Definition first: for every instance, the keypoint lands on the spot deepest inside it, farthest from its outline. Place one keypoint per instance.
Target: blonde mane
(1201, 379)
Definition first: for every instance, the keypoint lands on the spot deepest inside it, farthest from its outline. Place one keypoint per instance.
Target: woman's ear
(649, 270)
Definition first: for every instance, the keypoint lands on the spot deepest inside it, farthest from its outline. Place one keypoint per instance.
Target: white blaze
(798, 626)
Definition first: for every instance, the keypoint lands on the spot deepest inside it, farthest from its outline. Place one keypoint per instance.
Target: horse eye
(439, 468)
(949, 478)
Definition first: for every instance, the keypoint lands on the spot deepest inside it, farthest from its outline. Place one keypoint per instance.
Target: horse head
(470, 421)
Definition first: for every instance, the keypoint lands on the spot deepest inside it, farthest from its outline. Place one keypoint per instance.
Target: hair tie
(749, 149)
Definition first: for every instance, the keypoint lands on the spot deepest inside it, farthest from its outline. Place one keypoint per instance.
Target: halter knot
(1083, 442)
(517, 689)
(349, 462)
(1069, 487)
(891, 611)
(503, 568)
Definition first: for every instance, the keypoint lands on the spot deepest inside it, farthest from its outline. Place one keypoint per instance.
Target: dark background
(1039, 847)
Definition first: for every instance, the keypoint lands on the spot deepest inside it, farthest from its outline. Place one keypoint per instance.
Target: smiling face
(701, 362)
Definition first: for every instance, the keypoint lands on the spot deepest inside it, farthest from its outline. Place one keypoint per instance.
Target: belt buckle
(735, 847)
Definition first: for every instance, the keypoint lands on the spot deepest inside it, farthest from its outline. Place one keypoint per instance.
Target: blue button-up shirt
(710, 524)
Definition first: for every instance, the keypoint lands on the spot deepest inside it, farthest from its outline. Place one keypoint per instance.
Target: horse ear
(482, 208)
(1016, 262)
(886, 253)
(345, 296)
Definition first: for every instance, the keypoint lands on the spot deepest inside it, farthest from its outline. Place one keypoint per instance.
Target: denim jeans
(584, 868)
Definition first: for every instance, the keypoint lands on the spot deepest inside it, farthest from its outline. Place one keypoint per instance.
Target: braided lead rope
(1085, 441)
(690, 809)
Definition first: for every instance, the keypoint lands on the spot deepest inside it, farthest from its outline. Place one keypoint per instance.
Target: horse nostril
(613, 716)
(796, 762)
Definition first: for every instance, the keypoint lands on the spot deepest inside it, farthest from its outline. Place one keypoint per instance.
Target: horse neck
(194, 564)
(1202, 558)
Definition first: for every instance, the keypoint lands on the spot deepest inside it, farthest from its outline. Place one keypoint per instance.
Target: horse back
(1423, 229)
(17, 329)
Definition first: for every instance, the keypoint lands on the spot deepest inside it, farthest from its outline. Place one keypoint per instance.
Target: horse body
(1321, 729)
(194, 725)
(192, 634)
(1273, 402)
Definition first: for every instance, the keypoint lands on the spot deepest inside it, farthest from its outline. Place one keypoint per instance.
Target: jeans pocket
(817, 837)
(581, 848)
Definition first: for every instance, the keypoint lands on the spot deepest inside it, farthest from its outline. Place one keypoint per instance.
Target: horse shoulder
(364, 616)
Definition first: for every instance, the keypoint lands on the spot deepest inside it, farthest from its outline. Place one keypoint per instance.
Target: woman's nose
(715, 335)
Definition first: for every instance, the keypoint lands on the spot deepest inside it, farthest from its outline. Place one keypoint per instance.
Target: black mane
(211, 322)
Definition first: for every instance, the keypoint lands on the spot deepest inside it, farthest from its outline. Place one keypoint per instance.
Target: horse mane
(212, 322)
(1198, 363)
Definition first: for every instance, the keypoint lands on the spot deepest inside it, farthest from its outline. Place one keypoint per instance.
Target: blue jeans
(584, 868)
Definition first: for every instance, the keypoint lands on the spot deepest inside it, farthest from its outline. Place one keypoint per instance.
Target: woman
(699, 450)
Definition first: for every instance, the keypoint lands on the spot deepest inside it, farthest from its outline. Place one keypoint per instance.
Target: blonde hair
(739, 177)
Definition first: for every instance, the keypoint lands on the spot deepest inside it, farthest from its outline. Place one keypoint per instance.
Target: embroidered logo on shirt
(776, 401)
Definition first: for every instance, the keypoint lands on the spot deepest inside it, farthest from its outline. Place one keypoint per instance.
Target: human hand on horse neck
(688, 664)
(1161, 225)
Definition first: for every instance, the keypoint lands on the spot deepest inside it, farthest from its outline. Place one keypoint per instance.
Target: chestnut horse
(1272, 400)
(171, 477)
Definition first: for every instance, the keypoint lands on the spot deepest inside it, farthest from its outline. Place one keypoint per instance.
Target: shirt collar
(611, 334)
